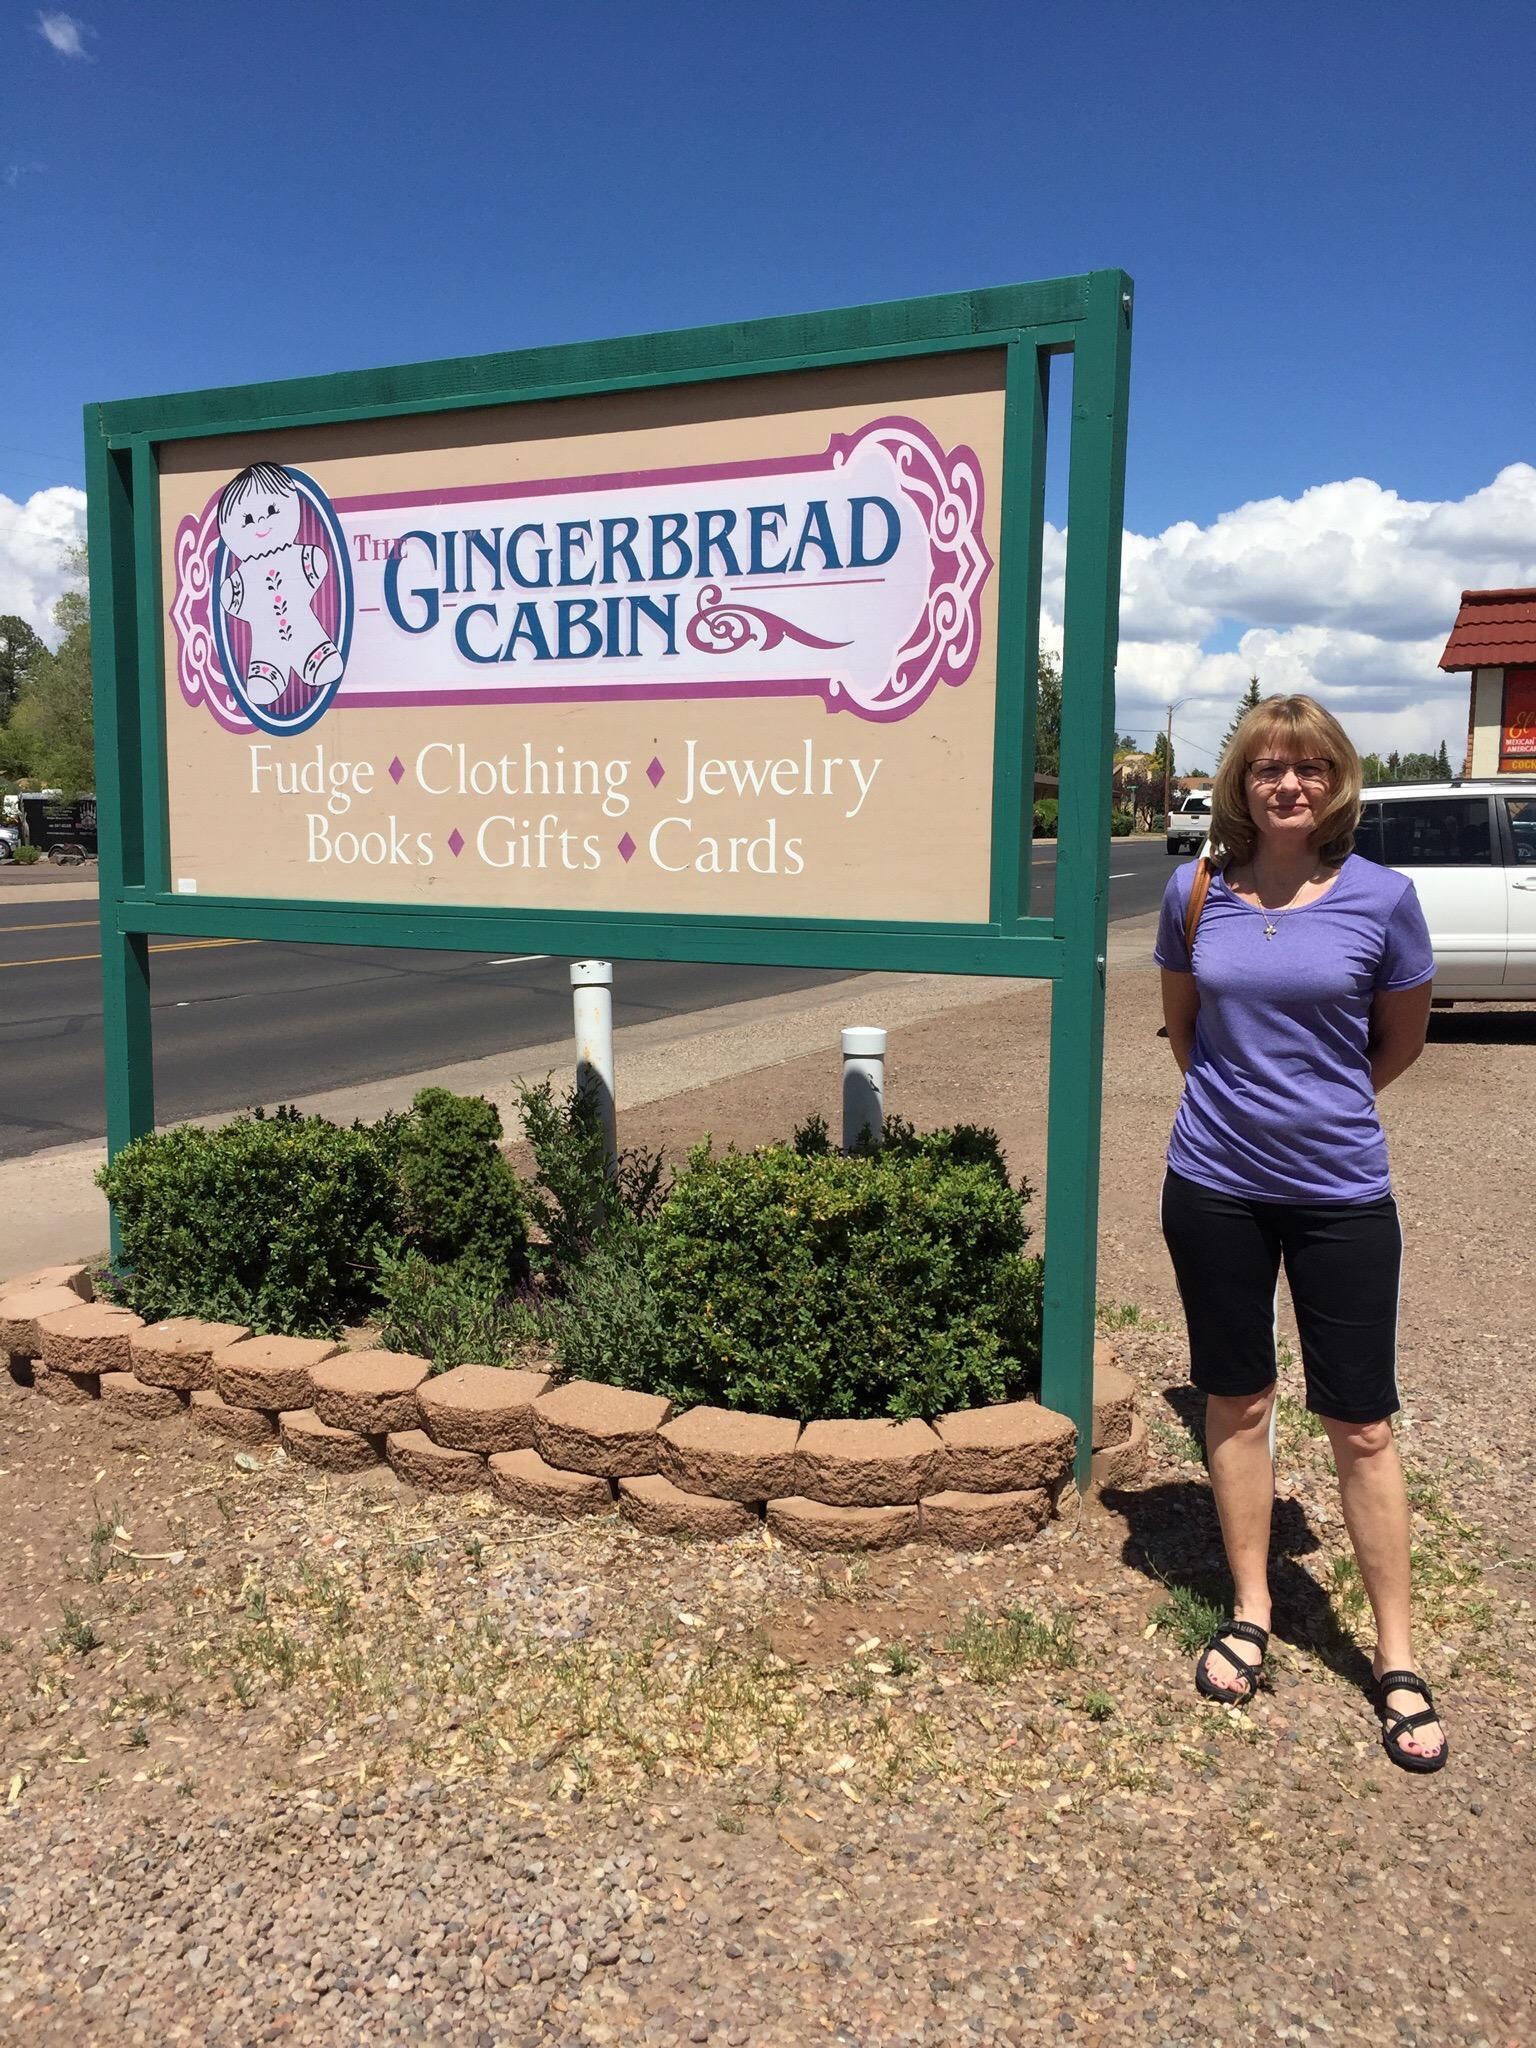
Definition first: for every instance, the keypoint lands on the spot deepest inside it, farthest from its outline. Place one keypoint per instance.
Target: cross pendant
(1269, 929)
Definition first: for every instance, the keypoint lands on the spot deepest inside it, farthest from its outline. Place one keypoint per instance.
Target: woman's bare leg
(1375, 1501)
(1243, 1481)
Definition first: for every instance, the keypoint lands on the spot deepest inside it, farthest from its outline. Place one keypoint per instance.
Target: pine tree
(1394, 766)
(1443, 764)
(1245, 704)
(1047, 716)
(19, 648)
(50, 727)
(1161, 773)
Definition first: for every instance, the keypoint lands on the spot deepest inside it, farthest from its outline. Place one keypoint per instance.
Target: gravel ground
(320, 1761)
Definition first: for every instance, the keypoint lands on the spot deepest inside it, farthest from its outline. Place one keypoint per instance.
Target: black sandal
(1395, 1725)
(1248, 1632)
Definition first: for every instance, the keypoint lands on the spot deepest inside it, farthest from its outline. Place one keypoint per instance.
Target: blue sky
(1328, 212)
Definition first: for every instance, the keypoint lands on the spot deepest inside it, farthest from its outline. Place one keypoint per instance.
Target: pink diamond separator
(396, 769)
(655, 771)
(626, 848)
(455, 842)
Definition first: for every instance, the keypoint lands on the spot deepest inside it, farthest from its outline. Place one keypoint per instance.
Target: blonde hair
(1298, 726)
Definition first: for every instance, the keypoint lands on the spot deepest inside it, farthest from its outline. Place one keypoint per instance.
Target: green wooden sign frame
(1087, 317)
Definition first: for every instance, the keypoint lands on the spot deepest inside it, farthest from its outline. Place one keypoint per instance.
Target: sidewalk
(69, 887)
(51, 1211)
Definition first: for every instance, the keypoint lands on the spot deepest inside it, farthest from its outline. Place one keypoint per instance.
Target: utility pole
(1168, 773)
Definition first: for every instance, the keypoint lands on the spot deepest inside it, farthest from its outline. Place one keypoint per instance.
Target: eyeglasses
(1311, 774)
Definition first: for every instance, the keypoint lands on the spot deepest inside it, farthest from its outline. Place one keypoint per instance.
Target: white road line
(517, 959)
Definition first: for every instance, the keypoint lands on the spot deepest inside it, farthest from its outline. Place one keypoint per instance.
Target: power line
(1200, 746)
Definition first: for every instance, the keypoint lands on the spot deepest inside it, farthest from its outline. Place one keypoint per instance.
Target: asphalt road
(238, 1023)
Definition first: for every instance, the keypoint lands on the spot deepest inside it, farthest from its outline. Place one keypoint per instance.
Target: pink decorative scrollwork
(948, 492)
(197, 661)
(720, 628)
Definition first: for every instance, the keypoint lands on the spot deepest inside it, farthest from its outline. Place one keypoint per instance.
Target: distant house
(1494, 638)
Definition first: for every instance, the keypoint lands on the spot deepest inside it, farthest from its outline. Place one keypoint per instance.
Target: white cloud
(65, 33)
(35, 543)
(1348, 592)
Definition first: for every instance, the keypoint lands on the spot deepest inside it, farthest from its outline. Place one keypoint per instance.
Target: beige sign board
(727, 649)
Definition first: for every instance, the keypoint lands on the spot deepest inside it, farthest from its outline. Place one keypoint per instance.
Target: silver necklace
(1271, 929)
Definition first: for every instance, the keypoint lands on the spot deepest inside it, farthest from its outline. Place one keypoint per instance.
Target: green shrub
(953, 1144)
(813, 1139)
(26, 856)
(275, 1221)
(454, 1315)
(1045, 817)
(572, 1199)
(1121, 824)
(461, 1204)
(812, 1285)
(608, 1326)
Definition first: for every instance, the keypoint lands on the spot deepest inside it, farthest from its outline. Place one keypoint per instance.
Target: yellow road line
(166, 946)
(69, 925)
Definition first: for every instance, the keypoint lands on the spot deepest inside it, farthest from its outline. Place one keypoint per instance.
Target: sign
(572, 663)
(718, 646)
(1517, 734)
(65, 824)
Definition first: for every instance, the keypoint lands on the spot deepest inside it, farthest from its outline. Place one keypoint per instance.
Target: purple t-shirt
(1278, 1104)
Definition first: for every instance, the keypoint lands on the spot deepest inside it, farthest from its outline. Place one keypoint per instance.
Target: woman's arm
(1399, 1020)
(1181, 1006)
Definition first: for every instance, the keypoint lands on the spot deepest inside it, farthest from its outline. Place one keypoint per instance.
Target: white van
(1470, 847)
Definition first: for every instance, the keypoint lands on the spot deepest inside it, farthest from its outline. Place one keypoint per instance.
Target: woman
(1307, 991)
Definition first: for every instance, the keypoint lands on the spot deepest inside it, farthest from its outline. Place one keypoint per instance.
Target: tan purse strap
(1199, 889)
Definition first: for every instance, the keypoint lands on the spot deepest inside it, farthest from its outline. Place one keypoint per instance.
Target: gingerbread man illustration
(272, 583)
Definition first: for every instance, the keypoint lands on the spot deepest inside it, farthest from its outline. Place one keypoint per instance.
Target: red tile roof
(1493, 629)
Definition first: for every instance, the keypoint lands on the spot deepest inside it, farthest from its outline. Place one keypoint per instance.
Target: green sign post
(712, 645)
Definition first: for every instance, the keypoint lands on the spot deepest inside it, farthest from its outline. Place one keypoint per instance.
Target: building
(1495, 638)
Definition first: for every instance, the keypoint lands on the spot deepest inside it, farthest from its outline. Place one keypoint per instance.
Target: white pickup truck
(1189, 824)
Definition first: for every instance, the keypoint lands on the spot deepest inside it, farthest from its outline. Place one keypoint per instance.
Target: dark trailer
(64, 828)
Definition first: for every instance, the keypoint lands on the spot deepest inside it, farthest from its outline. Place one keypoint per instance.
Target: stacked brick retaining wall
(972, 1479)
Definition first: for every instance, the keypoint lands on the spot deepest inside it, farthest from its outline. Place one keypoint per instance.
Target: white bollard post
(592, 1000)
(863, 1085)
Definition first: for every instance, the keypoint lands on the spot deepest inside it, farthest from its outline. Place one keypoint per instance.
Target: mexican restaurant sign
(733, 653)
(1517, 733)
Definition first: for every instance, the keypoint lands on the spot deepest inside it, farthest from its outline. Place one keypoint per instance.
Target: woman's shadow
(1174, 1537)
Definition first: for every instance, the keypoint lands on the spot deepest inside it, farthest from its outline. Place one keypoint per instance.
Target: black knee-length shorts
(1342, 1262)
